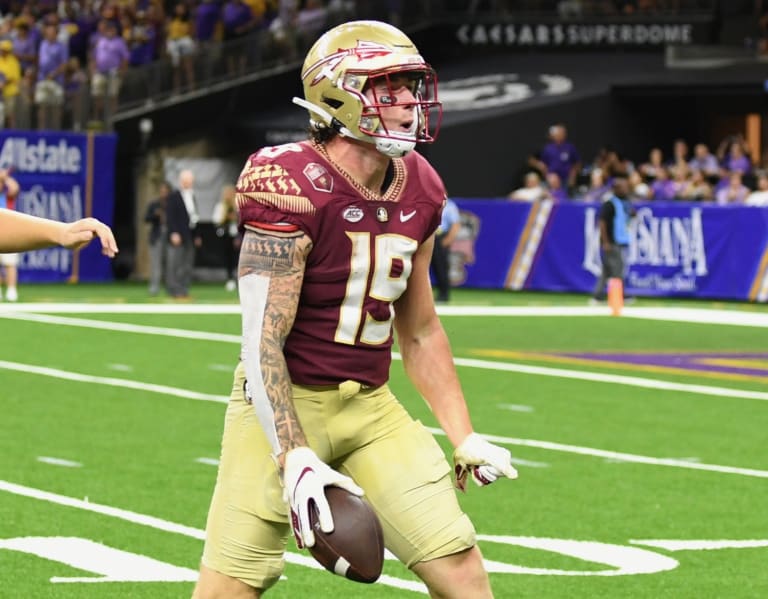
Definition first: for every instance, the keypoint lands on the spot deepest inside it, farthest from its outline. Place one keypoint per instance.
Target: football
(355, 548)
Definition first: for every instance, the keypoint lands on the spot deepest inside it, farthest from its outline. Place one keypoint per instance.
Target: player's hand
(305, 477)
(484, 461)
(80, 233)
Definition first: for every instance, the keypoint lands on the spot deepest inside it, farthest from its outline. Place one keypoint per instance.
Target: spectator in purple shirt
(733, 193)
(556, 188)
(663, 188)
(238, 20)
(559, 156)
(49, 89)
(734, 155)
(207, 16)
(109, 60)
(141, 40)
(703, 160)
(25, 49)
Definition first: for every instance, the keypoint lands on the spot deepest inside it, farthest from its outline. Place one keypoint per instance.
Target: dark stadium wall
(487, 158)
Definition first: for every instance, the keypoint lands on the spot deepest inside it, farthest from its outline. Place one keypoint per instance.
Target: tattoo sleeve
(271, 272)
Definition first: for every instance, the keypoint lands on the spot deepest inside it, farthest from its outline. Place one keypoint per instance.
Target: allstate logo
(40, 156)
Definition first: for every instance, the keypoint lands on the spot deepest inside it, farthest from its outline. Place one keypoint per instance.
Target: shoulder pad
(268, 178)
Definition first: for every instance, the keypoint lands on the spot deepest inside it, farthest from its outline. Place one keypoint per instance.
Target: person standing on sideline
(450, 225)
(613, 220)
(155, 216)
(226, 219)
(24, 232)
(339, 232)
(181, 219)
(9, 189)
(558, 156)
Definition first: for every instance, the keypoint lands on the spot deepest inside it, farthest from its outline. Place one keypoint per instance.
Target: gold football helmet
(351, 58)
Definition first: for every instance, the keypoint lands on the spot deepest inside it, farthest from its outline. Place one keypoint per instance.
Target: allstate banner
(63, 176)
(676, 249)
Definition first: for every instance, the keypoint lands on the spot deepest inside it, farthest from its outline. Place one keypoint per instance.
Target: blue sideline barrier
(63, 176)
(682, 249)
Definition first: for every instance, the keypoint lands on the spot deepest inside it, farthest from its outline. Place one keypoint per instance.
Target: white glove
(305, 477)
(486, 462)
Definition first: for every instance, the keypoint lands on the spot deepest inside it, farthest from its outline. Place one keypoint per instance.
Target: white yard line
(122, 327)
(623, 457)
(172, 527)
(58, 462)
(755, 317)
(618, 379)
(464, 362)
(110, 381)
(589, 451)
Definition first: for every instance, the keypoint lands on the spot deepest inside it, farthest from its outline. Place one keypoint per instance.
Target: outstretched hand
(80, 233)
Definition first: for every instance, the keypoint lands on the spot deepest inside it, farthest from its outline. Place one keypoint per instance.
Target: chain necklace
(393, 191)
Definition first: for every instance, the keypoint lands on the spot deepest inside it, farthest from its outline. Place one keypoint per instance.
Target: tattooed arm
(271, 272)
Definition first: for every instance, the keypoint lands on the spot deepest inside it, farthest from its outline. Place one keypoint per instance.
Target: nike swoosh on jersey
(406, 217)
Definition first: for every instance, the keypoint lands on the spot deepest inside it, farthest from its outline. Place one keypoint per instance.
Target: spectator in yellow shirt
(180, 45)
(10, 74)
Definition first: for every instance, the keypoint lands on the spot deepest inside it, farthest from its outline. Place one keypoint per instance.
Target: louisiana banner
(676, 249)
(64, 177)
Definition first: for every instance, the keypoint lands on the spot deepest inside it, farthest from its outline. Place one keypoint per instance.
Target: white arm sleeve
(253, 300)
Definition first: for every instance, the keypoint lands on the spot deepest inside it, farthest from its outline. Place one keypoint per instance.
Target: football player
(339, 232)
(23, 232)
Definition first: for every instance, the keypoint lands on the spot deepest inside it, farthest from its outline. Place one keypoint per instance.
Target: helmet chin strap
(323, 113)
(394, 148)
(389, 146)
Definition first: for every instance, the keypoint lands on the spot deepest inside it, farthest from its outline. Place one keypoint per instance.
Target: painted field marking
(702, 545)
(207, 461)
(110, 381)
(621, 559)
(599, 377)
(172, 527)
(123, 327)
(58, 462)
(516, 408)
(186, 394)
(529, 463)
(748, 318)
(618, 379)
(615, 455)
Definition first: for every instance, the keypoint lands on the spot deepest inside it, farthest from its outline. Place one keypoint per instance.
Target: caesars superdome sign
(586, 35)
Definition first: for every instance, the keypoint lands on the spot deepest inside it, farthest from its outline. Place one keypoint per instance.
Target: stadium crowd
(726, 176)
(62, 62)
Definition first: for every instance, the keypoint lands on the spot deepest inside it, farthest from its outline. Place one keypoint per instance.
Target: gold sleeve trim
(286, 203)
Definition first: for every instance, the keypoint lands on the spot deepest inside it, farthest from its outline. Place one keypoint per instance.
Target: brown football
(355, 548)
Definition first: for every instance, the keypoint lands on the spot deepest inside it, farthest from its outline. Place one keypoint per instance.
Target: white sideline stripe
(167, 526)
(113, 382)
(599, 377)
(184, 393)
(512, 407)
(208, 461)
(83, 308)
(619, 379)
(701, 545)
(615, 455)
(124, 327)
(58, 462)
(751, 318)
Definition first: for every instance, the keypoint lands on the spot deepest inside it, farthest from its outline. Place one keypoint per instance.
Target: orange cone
(616, 295)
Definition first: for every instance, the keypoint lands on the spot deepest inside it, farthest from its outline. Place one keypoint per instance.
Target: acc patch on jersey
(318, 177)
(353, 214)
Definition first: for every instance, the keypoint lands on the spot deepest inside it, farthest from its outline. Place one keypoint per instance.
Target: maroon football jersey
(361, 257)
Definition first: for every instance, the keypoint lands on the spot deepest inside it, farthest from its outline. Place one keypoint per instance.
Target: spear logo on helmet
(362, 51)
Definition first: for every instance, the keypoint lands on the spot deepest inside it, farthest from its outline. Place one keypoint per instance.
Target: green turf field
(642, 445)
